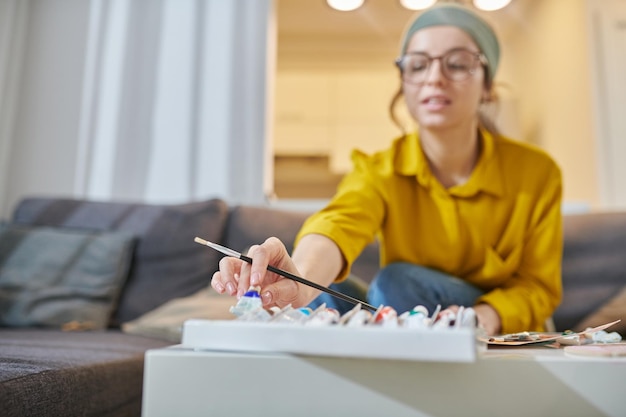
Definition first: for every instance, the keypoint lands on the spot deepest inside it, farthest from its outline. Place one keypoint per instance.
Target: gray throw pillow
(167, 263)
(53, 277)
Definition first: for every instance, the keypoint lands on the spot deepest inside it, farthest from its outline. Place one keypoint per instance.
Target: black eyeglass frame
(478, 56)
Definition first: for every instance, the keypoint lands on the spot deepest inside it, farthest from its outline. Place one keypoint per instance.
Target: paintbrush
(235, 254)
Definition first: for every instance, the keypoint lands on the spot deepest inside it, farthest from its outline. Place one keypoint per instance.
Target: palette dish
(530, 338)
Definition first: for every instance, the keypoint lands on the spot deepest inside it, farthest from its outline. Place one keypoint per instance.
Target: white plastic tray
(441, 345)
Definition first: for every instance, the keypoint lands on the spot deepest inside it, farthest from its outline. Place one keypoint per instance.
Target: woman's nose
(434, 74)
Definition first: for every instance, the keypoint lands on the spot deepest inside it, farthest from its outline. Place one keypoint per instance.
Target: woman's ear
(487, 95)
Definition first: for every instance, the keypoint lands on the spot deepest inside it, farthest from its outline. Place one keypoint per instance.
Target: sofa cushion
(594, 265)
(55, 276)
(612, 310)
(166, 322)
(249, 225)
(167, 262)
(54, 373)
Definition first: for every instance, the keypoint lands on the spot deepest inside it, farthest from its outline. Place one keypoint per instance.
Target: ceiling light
(490, 4)
(417, 4)
(345, 5)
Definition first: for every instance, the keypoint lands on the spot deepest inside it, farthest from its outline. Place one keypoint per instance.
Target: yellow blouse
(501, 230)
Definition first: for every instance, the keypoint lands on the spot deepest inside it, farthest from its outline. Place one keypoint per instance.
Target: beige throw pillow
(166, 322)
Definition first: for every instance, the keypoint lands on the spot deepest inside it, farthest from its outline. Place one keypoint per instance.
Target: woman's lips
(434, 103)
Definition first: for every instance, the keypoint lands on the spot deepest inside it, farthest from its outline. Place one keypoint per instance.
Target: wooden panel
(304, 177)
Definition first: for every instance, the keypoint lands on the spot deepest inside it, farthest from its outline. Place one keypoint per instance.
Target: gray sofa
(46, 371)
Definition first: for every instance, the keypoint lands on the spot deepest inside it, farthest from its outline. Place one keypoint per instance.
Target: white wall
(607, 22)
(550, 68)
(45, 109)
(12, 22)
(545, 83)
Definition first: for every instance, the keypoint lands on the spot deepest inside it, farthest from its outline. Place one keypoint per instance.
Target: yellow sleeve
(529, 298)
(343, 220)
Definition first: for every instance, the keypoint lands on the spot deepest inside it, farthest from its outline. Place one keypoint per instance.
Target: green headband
(464, 19)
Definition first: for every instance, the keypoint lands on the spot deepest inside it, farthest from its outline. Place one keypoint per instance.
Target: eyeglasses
(456, 65)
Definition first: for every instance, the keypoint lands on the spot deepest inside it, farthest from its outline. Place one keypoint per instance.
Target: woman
(463, 215)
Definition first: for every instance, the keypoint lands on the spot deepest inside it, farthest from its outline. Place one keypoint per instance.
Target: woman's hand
(487, 317)
(236, 276)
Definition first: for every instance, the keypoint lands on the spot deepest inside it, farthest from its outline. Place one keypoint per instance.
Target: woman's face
(438, 103)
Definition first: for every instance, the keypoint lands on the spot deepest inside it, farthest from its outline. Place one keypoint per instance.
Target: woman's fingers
(236, 276)
(244, 280)
(271, 252)
(280, 294)
(216, 283)
(261, 257)
(226, 280)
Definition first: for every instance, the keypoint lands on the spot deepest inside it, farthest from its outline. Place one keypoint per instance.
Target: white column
(182, 114)
(169, 157)
(235, 99)
(101, 98)
(12, 31)
(42, 120)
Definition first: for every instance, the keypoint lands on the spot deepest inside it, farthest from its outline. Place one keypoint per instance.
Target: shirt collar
(486, 177)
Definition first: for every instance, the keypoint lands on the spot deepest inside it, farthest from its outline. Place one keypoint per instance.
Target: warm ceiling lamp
(417, 4)
(490, 5)
(345, 5)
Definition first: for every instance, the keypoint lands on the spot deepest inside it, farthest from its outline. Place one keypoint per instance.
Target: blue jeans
(353, 286)
(403, 286)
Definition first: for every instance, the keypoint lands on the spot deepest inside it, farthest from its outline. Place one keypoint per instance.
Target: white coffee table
(538, 381)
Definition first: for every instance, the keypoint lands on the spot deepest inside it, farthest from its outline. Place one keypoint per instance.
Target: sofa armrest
(594, 266)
